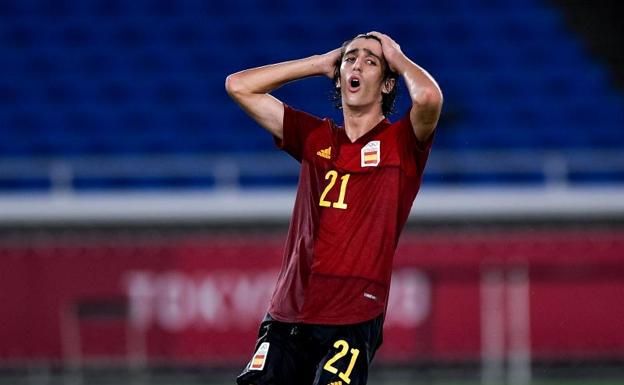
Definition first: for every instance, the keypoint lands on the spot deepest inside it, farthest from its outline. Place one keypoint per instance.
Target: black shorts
(306, 354)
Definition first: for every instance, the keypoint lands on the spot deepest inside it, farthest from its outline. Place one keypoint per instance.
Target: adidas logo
(335, 383)
(325, 153)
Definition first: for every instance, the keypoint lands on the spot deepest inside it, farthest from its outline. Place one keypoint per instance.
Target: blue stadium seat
(141, 77)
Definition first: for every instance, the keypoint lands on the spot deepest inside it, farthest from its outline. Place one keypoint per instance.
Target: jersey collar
(342, 137)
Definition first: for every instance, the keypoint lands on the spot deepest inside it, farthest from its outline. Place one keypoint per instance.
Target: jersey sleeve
(297, 127)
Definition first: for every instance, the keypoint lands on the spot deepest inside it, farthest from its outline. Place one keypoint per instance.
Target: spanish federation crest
(371, 154)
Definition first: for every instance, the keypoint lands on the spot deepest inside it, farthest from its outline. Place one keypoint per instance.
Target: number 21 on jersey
(332, 176)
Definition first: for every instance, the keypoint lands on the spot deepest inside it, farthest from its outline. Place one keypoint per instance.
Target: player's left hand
(390, 48)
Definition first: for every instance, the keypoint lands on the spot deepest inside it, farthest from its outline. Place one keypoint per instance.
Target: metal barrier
(239, 171)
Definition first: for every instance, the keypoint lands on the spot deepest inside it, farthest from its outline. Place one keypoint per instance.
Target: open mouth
(354, 82)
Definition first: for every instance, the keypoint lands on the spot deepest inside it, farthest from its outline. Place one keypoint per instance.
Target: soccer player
(356, 188)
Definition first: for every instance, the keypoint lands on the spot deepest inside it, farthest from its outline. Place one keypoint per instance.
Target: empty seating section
(143, 77)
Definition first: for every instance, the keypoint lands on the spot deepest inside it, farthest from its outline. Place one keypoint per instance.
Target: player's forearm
(422, 87)
(262, 80)
(425, 94)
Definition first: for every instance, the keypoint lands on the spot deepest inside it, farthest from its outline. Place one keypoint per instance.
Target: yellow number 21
(332, 175)
(344, 349)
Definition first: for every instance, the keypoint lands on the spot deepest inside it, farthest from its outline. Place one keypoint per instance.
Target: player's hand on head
(390, 48)
(329, 62)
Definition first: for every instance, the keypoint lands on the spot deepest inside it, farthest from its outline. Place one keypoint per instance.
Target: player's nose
(357, 64)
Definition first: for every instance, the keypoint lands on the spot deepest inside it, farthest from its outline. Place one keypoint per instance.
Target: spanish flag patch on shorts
(259, 358)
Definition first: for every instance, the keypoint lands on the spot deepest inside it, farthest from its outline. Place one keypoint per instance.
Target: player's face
(361, 74)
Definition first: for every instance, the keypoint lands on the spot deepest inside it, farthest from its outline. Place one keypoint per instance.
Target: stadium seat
(144, 77)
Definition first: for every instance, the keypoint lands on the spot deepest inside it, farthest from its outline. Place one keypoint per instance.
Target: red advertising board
(199, 299)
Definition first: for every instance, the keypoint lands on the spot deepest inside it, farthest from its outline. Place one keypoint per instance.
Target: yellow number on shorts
(344, 348)
(332, 175)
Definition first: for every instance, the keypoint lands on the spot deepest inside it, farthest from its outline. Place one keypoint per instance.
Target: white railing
(552, 189)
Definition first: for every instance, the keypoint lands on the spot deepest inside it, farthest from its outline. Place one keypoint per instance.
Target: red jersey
(352, 202)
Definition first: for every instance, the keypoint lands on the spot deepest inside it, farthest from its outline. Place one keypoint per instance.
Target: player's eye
(371, 62)
(350, 59)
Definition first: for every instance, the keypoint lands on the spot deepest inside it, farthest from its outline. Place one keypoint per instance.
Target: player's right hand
(329, 62)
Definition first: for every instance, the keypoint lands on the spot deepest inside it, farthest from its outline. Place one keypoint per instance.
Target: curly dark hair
(387, 100)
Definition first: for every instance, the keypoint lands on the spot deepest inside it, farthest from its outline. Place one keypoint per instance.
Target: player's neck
(358, 123)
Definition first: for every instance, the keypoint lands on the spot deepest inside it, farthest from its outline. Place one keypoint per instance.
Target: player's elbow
(429, 97)
(234, 86)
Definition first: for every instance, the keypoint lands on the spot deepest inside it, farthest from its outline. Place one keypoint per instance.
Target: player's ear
(337, 84)
(388, 85)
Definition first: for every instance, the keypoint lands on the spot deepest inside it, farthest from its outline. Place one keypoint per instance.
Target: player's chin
(354, 98)
(358, 102)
